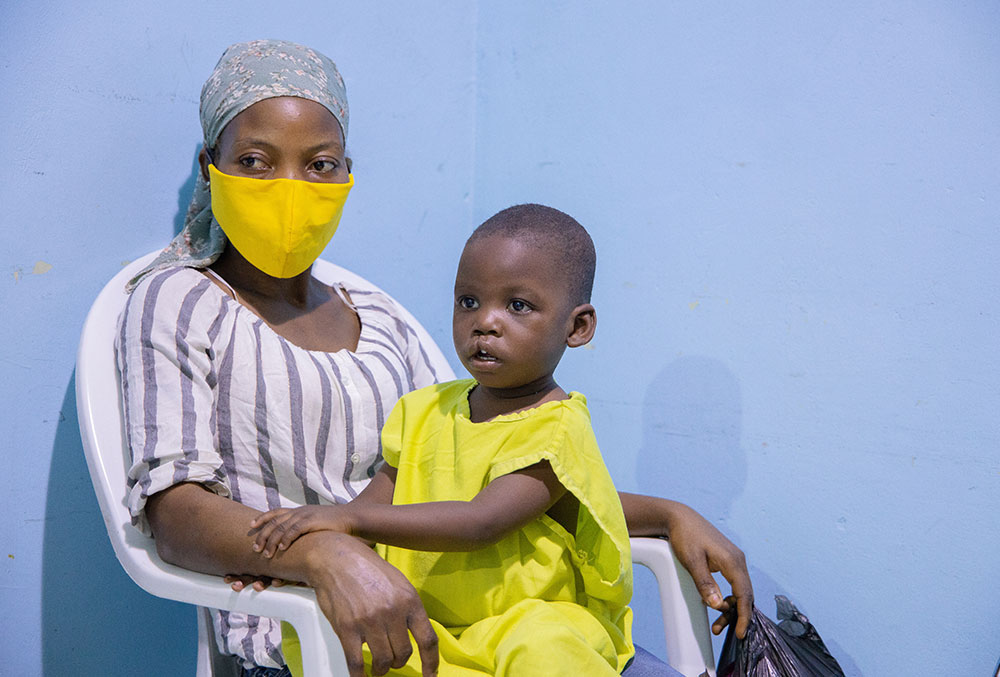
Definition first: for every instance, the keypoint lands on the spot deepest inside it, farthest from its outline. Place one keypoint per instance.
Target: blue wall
(100, 131)
(795, 211)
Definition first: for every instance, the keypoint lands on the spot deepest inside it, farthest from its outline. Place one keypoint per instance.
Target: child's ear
(584, 319)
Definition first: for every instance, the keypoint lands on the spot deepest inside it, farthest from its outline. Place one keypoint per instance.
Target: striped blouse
(213, 395)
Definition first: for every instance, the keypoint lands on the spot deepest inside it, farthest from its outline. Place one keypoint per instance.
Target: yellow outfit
(541, 601)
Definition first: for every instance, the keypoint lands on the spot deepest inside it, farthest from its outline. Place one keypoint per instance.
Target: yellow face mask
(281, 226)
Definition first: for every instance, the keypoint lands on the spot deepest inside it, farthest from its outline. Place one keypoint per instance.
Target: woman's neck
(249, 280)
(301, 309)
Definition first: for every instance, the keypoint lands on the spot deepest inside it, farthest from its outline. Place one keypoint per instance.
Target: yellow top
(541, 601)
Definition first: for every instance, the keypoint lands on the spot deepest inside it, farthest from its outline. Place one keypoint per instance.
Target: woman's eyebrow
(331, 143)
(254, 142)
(324, 145)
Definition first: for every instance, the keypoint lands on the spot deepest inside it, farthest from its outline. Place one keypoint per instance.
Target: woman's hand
(277, 529)
(702, 549)
(364, 598)
(368, 601)
(240, 581)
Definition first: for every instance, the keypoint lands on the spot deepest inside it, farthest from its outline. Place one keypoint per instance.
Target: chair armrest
(685, 620)
(322, 653)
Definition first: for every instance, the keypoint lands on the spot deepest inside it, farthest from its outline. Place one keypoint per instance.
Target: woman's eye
(519, 306)
(468, 302)
(251, 163)
(324, 166)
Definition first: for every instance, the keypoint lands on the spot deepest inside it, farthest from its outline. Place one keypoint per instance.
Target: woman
(250, 385)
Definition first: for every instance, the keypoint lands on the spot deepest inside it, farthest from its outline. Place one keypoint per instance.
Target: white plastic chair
(99, 409)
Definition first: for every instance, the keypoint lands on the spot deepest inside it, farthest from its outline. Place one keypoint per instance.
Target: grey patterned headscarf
(248, 72)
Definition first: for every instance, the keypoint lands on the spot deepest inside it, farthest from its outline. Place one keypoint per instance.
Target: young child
(494, 500)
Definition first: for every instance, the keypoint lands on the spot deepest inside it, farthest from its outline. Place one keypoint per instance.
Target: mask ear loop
(210, 152)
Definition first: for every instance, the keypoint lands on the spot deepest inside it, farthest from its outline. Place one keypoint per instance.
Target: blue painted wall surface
(795, 211)
(100, 133)
(795, 207)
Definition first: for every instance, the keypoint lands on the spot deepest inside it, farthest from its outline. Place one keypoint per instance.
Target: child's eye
(468, 302)
(519, 306)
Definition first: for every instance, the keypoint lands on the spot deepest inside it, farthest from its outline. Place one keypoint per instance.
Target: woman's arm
(701, 548)
(364, 598)
(504, 505)
(166, 372)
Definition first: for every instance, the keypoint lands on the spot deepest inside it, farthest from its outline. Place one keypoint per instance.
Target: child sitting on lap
(494, 500)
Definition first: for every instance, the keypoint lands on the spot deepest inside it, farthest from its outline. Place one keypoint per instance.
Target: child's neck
(486, 403)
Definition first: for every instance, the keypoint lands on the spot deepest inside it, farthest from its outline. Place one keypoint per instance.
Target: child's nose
(487, 322)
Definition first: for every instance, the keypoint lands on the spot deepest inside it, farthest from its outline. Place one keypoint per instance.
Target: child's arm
(380, 489)
(504, 505)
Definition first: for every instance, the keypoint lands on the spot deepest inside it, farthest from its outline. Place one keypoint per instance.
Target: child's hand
(278, 529)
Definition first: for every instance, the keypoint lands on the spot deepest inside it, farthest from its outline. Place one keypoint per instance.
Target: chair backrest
(99, 408)
(102, 428)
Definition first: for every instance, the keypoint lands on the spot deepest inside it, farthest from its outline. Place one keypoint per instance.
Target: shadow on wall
(95, 620)
(692, 426)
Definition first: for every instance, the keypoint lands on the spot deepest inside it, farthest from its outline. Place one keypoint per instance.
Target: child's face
(512, 315)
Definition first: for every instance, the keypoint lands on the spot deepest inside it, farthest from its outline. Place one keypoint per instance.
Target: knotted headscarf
(248, 72)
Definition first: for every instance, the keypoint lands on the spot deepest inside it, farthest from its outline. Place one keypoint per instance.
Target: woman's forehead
(284, 117)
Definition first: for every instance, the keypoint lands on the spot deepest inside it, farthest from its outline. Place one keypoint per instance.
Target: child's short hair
(559, 232)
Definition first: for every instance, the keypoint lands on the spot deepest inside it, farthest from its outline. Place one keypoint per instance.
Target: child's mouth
(483, 356)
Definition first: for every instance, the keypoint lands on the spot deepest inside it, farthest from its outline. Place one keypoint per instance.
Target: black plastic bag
(790, 648)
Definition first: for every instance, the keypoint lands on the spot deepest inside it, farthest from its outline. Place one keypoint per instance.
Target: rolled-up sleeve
(166, 361)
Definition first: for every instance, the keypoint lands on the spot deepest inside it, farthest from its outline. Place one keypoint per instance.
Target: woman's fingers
(427, 642)
(732, 565)
(402, 649)
(237, 583)
(743, 593)
(702, 549)
(352, 653)
(698, 566)
(367, 600)
(240, 582)
(381, 648)
(396, 649)
(727, 608)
